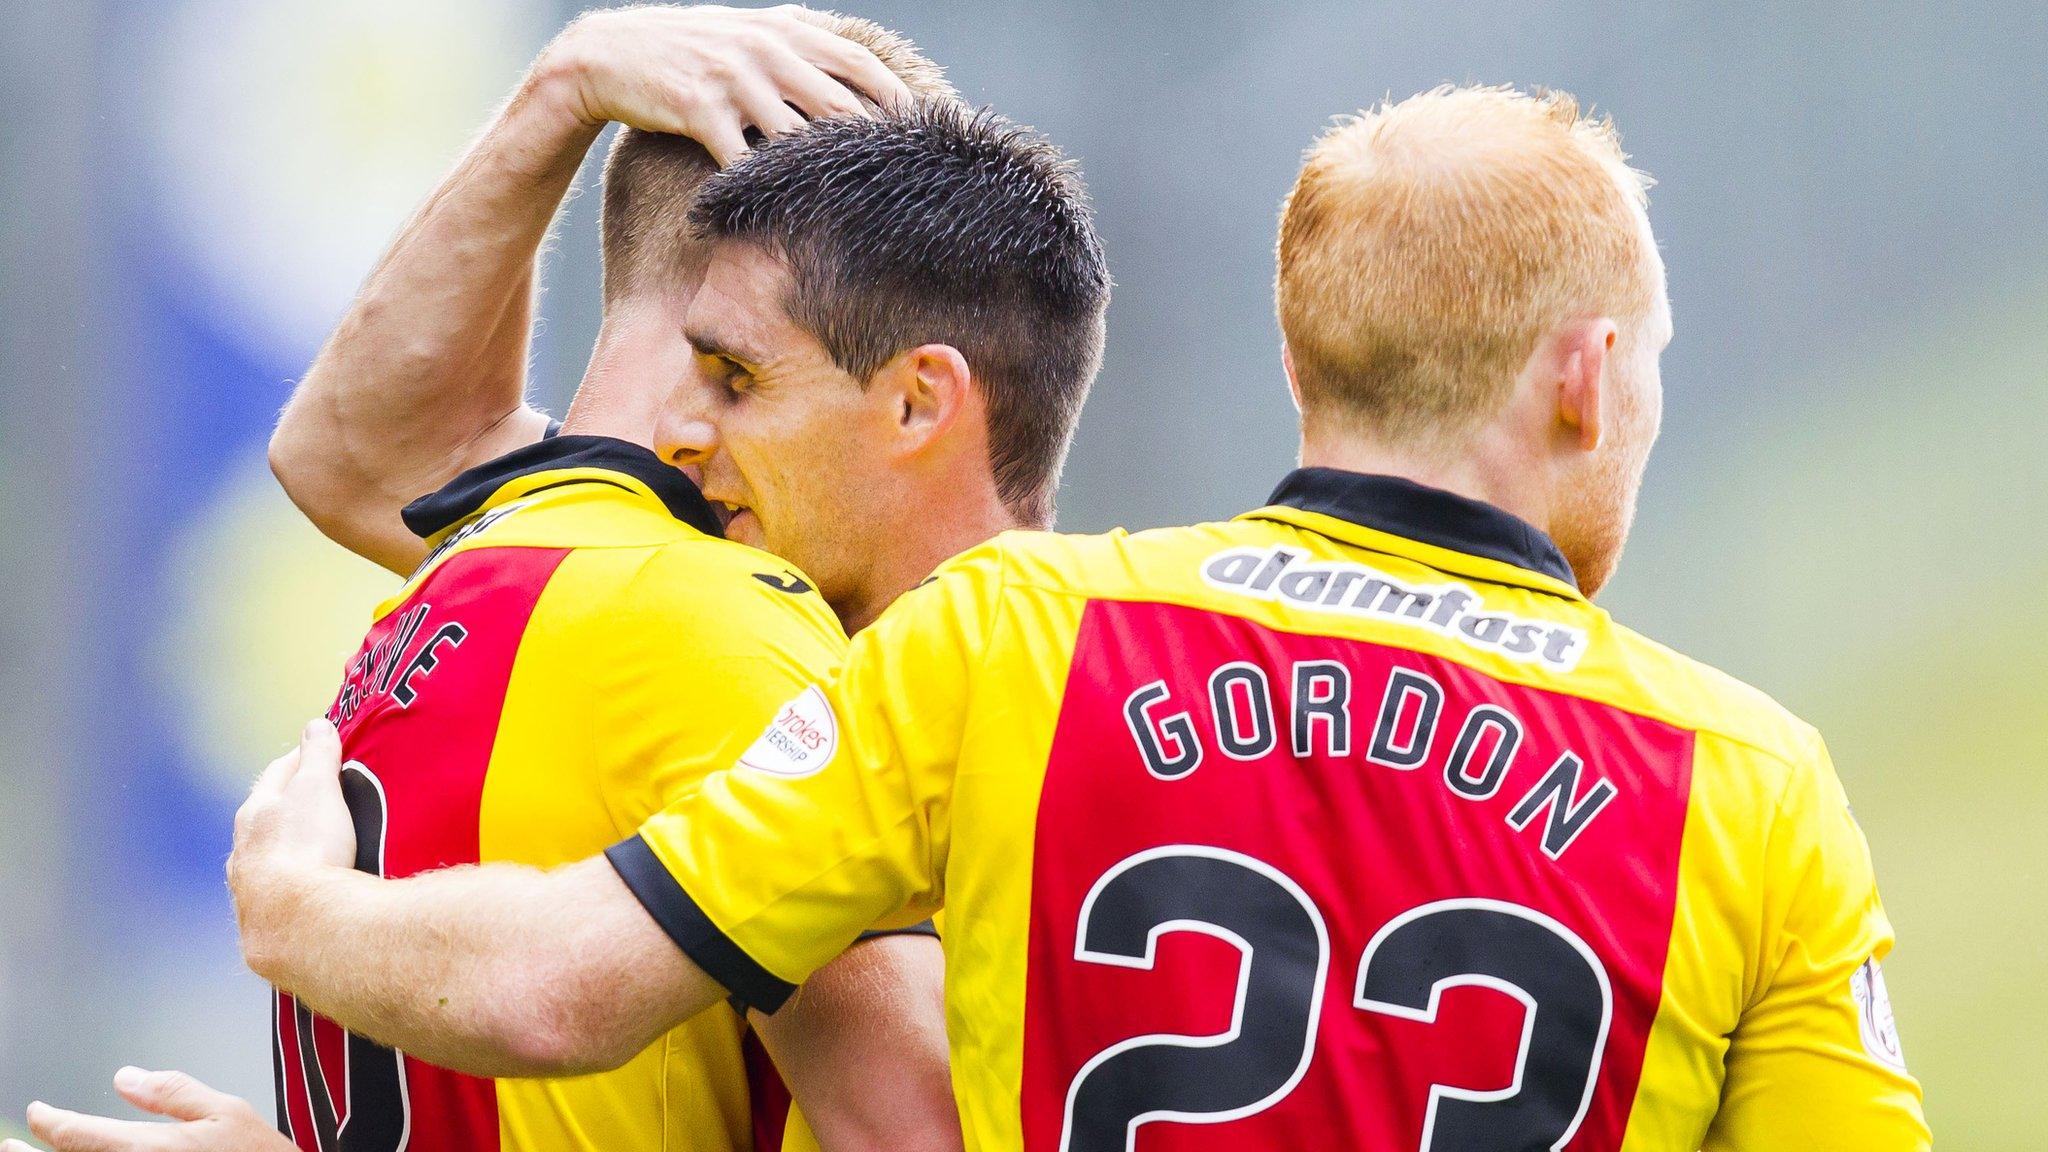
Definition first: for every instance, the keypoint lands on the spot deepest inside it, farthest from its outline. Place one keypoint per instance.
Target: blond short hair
(1427, 245)
(650, 178)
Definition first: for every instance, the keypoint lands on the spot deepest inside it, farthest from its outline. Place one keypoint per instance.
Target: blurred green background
(1845, 509)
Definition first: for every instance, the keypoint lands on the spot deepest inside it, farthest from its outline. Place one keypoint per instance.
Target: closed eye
(728, 372)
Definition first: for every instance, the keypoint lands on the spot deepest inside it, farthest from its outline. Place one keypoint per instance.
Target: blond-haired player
(1350, 822)
(1427, 247)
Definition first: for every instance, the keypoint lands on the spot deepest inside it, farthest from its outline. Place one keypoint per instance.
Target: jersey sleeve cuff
(686, 924)
(921, 928)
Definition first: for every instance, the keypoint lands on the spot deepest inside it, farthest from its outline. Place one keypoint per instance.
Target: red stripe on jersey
(294, 1107)
(767, 1093)
(418, 714)
(1263, 918)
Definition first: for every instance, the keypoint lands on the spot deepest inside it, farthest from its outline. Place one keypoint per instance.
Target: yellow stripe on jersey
(1383, 729)
(652, 656)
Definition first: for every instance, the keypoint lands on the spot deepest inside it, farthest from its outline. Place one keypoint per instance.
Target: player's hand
(294, 819)
(711, 73)
(204, 1121)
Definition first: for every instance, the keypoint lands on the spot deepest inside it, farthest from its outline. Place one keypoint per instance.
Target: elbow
(306, 462)
(286, 461)
(553, 1049)
(571, 1026)
(263, 960)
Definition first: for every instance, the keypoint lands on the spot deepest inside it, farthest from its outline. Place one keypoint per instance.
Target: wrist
(269, 896)
(559, 82)
(549, 124)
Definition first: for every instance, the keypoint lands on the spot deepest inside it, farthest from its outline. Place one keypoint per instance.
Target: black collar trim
(439, 511)
(1429, 515)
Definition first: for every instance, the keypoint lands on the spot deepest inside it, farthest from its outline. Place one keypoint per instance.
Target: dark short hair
(937, 224)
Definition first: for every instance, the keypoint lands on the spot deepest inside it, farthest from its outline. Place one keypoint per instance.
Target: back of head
(650, 177)
(1428, 245)
(937, 225)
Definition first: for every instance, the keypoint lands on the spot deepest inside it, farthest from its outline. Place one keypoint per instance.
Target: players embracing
(1352, 821)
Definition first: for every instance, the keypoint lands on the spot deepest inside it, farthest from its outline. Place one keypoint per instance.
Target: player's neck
(602, 407)
(1491, 473)
(924, 535)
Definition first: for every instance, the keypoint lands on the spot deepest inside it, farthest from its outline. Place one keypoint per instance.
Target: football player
(576, 599)
(1353, 820)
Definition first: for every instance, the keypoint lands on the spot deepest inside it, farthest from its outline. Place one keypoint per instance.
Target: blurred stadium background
(1845, 509)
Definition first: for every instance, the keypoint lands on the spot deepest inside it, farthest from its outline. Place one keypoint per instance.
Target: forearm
(496, 970)
(425, 375)
(863, 1047)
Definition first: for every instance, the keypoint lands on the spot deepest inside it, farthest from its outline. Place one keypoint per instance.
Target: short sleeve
(697, 655)
(836, 819)
(1815, 1061)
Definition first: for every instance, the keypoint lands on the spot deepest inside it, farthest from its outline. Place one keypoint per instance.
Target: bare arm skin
(502, 970)
(821, 1040)
(863, 1046)
(495, 969)
(426, 373)
(505, 971)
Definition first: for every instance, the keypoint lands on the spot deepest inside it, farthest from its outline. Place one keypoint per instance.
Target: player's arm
(495, 969)
(502, 970)
(839, 818)
(202, 1120)
(426, 373)
(1814, 1063)
(862, 1046)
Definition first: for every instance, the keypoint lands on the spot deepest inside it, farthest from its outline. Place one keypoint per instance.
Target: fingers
(764, 109)
(849, 62)
(68, 1131)
(817, 94)
(173, 1094)
(278, 773)
(724, 139)
(321, 738)
(264, 795)
(318, 737)
(319, 760)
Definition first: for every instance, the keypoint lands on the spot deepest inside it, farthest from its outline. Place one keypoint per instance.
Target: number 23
(1285, 956)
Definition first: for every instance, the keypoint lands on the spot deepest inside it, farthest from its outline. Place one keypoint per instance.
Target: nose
(687, 444)
(686, 437)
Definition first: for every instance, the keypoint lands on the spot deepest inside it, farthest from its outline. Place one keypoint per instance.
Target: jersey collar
(536, 466)
(1443, 529)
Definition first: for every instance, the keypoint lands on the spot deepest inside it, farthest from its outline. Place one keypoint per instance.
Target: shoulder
(1111, 564)
(716, 596)
(1699, 696)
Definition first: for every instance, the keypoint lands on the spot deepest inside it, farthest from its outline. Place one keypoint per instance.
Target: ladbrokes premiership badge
(800, 740)
(1874, 1015)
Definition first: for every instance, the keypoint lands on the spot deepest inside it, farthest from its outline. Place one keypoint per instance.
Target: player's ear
(930, 386)
(1293, 385)
(1578, 366)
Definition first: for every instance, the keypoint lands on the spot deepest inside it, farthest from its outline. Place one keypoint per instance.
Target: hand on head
(712, 73)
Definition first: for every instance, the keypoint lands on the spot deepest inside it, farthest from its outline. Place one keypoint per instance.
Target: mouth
(726, 511)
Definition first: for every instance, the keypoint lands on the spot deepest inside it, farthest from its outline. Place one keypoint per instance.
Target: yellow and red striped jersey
(1348, 823)
(579, 646)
